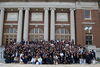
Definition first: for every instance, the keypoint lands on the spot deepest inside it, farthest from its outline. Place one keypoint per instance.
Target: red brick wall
(80, 33)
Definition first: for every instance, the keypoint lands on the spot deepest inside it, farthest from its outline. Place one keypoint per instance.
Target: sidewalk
(31, 65)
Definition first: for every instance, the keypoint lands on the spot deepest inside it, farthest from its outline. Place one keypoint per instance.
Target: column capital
(26, 8)
(52, 8)
(46, 8)
(20, 8)
(72, 9)
(2, 9)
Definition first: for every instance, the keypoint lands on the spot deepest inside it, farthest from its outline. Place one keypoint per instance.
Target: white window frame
(11, 30)
(37, 16)
(12, 16)
(89, 17)
(59, 17)
(33, 31)
(58, 31)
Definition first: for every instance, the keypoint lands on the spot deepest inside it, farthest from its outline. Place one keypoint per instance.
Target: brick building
(77, 20)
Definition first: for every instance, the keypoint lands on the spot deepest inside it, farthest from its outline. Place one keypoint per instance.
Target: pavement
(59, 65)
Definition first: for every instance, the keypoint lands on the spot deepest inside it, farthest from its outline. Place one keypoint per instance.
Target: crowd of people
(47, 52)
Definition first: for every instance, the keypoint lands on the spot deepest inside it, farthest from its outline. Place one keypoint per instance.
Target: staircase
(1, 55)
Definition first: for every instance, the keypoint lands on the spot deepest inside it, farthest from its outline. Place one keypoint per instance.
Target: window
(87, 14)
(12, 16)
(67, 31)
(40, 30)
(62, 31)
(62, 17)
(88, 39)
(32, 31)
(57, 31)
(12, 30)
(62, 37)
(36, 16)
(36, 30)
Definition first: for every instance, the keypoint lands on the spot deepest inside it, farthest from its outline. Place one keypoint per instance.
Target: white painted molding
(46, 8)
(76, 5)
(63, 24)
(35, 16)
(26, 8)
(20, 8)
(12, 16)
(35, 24)
(87, 5)
(37, 4)
(88, 22)
(10, 24)
(62, 17)
(10, 33)
(2, 8)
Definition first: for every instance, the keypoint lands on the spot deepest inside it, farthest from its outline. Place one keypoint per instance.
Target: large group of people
(47, 52)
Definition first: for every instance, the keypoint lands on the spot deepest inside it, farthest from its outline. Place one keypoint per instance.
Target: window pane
(40, 30)
(87, 14)
(10, 30)
(62, 17)
(32, 31)
(36, 17)
(89, 40)
(57, 31)
(14, 30)
(12, 16)
(62, 31)
(36, 30)
(67, 31)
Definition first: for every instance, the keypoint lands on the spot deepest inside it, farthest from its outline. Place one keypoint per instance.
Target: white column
(46, 24)
(52, 31)
(19, 30)
(1, 24)
(26, 24)
(72, 23)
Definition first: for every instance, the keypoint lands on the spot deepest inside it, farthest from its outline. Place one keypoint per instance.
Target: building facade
(77, 21)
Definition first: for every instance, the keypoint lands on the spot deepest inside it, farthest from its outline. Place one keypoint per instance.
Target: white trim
(35, 34)
(10, 33)
(36, 16)
(12, 16)
(63, 24)
(77, 5)
(10, 24)
(90, 18)
(63, 34)
(88, 22)
(37, 4)
(62, 17)
(35, 24)
(87, 5)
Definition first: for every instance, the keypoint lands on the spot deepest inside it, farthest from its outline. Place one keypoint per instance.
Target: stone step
(2, 60)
